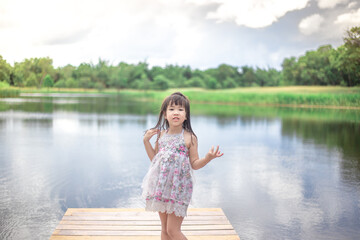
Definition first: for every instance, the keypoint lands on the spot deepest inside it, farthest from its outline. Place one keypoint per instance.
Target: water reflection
(114, 104)
(283, 176)
(37, 123)
(105, 104)
(344, 137)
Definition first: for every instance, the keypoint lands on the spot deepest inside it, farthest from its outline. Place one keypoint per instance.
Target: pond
(287, 173)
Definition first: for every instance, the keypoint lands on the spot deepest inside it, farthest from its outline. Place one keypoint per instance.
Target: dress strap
(178, 134)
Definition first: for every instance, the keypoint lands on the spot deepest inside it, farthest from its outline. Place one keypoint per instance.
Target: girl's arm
(148, 147)
(196, 162)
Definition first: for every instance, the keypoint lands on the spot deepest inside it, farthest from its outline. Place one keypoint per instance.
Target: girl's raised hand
(213, 153)
(150, 133)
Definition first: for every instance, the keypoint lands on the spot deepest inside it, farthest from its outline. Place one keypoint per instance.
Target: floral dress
(168, 184)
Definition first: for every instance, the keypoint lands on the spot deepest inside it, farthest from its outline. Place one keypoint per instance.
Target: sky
(201, 34)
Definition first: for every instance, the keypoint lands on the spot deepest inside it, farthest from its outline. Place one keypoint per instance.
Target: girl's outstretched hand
(150, 133)
(213, 153)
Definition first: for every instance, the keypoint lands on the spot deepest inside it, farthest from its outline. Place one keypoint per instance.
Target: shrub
(60, 84)
(160, 83)
(48, 81)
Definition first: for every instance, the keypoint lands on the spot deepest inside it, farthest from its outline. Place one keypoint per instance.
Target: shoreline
(281, 105)
(330, 97)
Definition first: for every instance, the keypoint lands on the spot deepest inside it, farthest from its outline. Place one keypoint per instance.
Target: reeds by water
(9, 92)
(289, 96)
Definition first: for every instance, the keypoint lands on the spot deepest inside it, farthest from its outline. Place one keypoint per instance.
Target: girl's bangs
(177, 100)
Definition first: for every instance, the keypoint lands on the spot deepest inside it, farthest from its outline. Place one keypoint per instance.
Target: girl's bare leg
(163, 219)
(174, 227)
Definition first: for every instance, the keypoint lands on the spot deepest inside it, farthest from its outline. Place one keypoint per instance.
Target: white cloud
(349, 19)
(252, 13)
(201, 2)
(311, 24)
(87, 30)
(160, 31)
(352, 4)
(330, 3)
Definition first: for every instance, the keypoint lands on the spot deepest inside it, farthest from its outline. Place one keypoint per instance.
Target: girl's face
(175, 115)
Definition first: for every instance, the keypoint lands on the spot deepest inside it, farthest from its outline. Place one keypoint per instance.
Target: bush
(4, 85)
(195, 82)
(230, 83)
(99, 86)
(160, 83)
(48, 81)
(85, 82)
(31, 81)
(71, 83)
(212, 83)
(6, 91)
(60, 84)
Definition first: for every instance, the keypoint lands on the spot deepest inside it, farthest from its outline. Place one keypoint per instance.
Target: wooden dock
(136, 224)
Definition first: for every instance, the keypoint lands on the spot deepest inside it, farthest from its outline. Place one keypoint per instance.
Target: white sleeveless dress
(168, 184)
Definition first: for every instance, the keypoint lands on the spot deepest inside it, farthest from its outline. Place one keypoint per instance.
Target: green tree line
(324, 66)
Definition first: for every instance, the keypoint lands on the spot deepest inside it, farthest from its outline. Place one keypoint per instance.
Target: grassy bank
(297, 96)
(7, 91)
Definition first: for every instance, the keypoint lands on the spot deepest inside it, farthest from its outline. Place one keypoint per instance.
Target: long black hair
(176, 98)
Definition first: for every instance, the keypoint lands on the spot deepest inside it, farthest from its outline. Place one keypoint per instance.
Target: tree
(143, 82)
(289, 70)
(351, 63)
(60, 84)
(324, 66)
(43, 67)
(67, 72)
(121, 76)
(99, 86)
(139, 76)
(31, 72)
(314, 65)
(195, 82)
(5, 71)
(247, 77)
(118, 82)
(352, 40)
(225, 72)
(85, 82)
(102, 73)
(160, 83)
(31, 80)
(18, 75)
(71, 83)
(176, 75)
(211, 82)
(48, 81)
(274, 77)
(230, 83)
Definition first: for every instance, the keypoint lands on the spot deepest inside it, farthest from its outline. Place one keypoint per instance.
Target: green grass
(314, 114)
(312, 96)
(296, 102)
(305, 96)
(7, 91)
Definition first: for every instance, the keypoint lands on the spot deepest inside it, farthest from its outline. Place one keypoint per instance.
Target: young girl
(168, 185)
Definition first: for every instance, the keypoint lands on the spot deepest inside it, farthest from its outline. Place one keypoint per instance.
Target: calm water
(286, 173)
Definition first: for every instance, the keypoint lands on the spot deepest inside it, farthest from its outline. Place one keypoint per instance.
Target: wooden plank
(136, 224)
(121, 218)
(71, 210)
(140, 227)
(205, 209)
(208, 213)
(144, 223)
(138, 233)
(206, 237)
